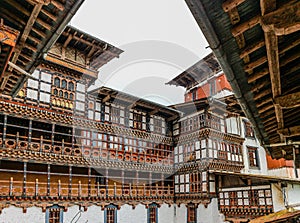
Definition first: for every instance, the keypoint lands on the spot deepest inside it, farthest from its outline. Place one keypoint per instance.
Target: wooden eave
(39, 23)
(258, 45)
(8, 39)
(72, 65)
(98, 52)
(209, 104)
(106, 94)
(197, 73)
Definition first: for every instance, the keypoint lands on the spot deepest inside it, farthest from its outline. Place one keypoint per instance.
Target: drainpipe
(45, 49)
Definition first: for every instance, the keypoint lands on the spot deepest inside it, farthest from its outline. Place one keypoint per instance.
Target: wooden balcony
(16, 190)
(18, 143)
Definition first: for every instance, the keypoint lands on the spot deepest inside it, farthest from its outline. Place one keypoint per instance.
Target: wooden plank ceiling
(39, 22)
(258, 46)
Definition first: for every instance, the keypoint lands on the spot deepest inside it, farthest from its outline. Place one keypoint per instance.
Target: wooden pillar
(29, 132)
(70, 182)
(48, 179)
(24, 178)
(137, 182)
(89, 181)
(137, 177)
(123, 182)
(52, 134)
(106, 182)
(73, 137)
(4, 128)
(150, 180)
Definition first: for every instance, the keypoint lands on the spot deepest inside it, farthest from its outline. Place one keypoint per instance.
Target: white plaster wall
(180, 214)
(166, 214)
(282, 172)
(277, 196)
(94, 214)
(263, 168)
(16, 215)
(128, 215)
(293, 195)
(210, 214)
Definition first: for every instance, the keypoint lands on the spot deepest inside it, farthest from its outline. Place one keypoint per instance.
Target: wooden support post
(98, 187)
(89, 181)
(59, 188)
(115, 189)
(137, 177)
(4, 129)
(36, 187)
(123, 182)
(11, 186)
(41, 143)
(79, 188)
(48, 179)
(130, 190)
(73, 138)
(52, 134)
(29, 133)
(106, 182)
(294, 161)
(24, 178)
(17, 139)
(70, 182)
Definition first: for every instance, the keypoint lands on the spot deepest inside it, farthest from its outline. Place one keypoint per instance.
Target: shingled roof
(258, 46)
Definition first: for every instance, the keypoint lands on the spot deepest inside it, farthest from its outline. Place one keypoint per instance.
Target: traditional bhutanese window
(86, 138)
(110, 214)
(157, 124)
(152, 213)
(249, 132)
(39, 90)
(117, 114)
(253, 157)
(191, 213)
(80, 97)
(63, 92)
(54, 214)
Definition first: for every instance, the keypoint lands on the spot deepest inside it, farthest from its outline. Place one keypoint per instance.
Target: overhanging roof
(258, 46)
(106, 94)
(202, 70)
(39, 23)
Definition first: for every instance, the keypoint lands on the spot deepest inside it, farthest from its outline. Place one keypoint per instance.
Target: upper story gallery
(62, 145)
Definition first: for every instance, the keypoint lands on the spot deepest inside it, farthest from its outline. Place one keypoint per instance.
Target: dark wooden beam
(250, 49)
(107, 97)
(284, 20)
(253, 77)
(288, 101)
(21, 42)
(267, 6)
(241, 28)
(289, 132)
(230, 4)
(250, 66)
(154, 112)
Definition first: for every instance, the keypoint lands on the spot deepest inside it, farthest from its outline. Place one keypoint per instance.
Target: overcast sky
(160, 39)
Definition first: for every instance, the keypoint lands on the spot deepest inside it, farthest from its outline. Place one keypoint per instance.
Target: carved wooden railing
(18, 142)
(12, 188)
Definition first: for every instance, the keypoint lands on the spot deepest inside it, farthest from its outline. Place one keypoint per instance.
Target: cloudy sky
(160, 39)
